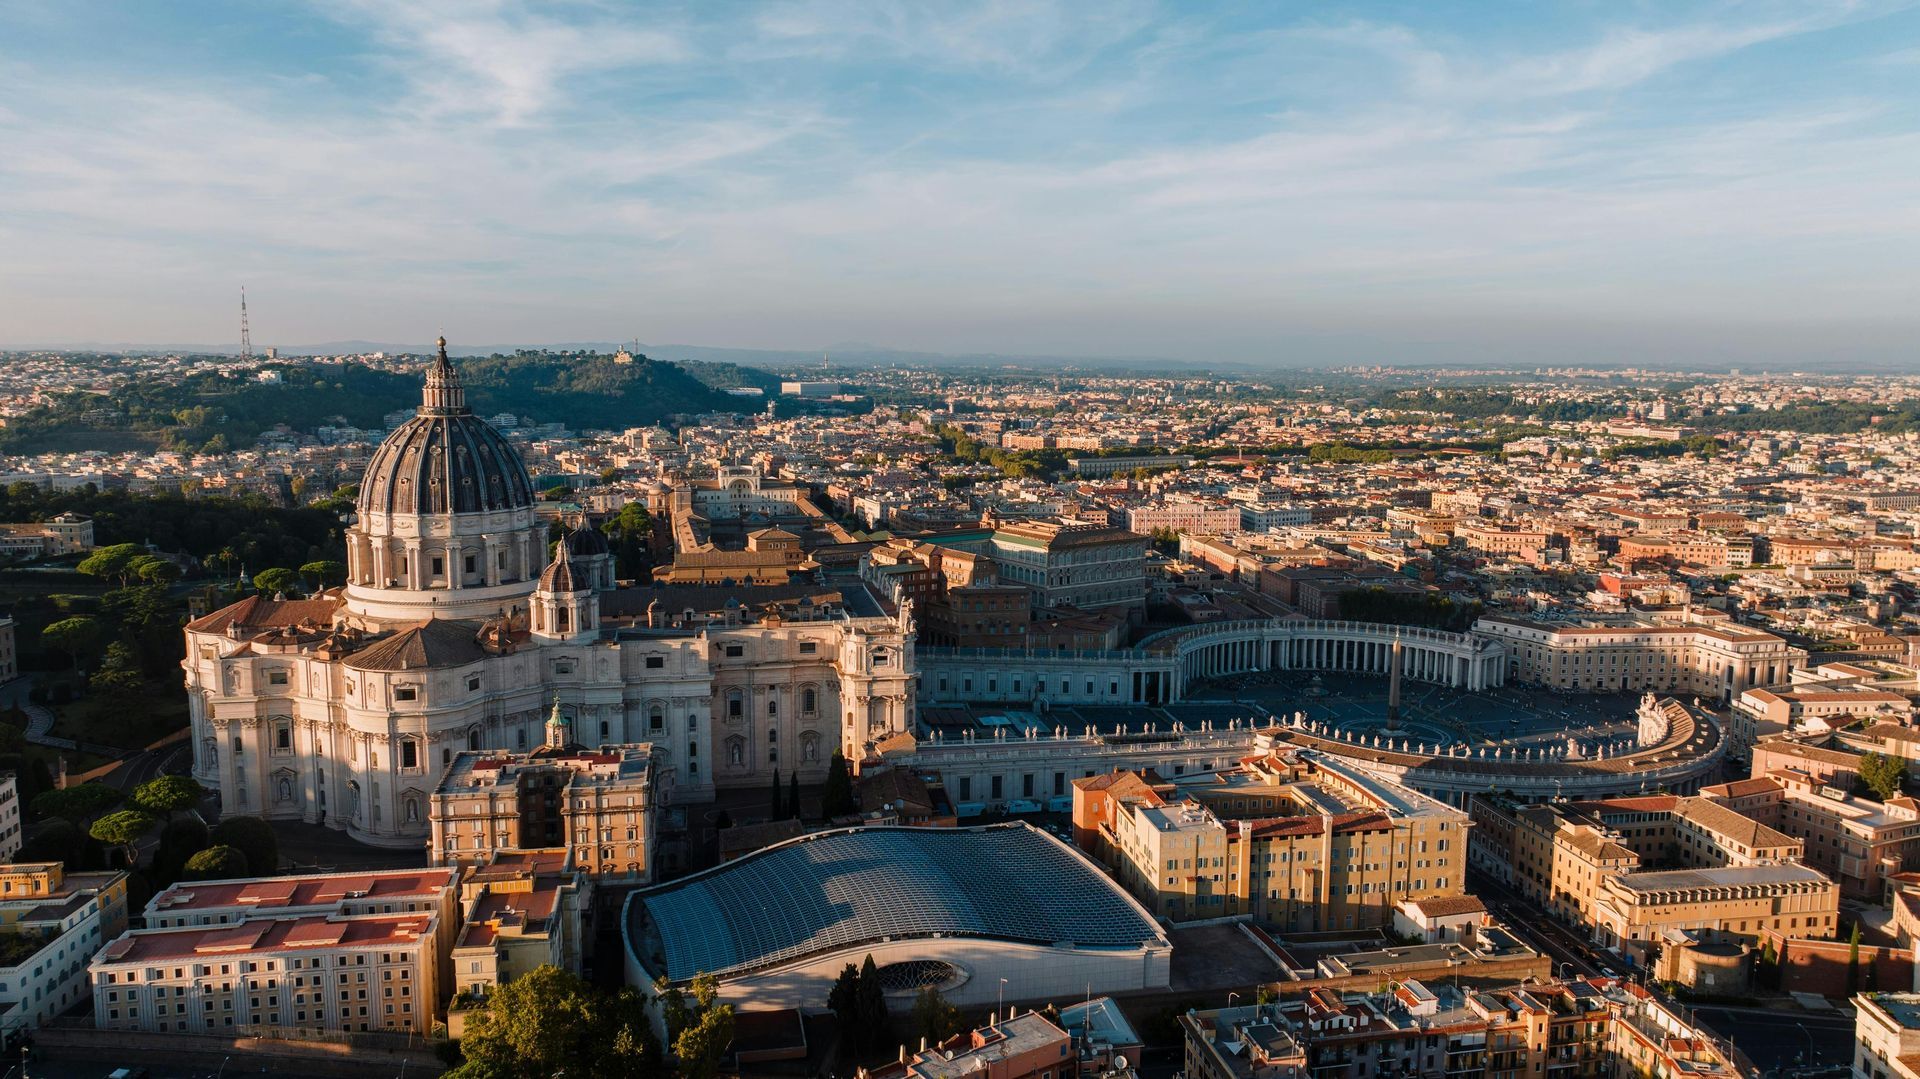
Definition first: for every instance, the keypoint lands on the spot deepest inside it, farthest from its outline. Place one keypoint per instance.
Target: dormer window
(405, 693)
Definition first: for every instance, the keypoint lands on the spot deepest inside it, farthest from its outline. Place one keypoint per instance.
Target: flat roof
(840, 889)
(267, 935)
(1722, 877)
(268, 893)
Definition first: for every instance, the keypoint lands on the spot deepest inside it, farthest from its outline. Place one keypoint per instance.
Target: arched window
(809, 700)
(656, 718)
(736, 704)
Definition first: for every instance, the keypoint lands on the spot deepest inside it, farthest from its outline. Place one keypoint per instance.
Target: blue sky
(1261, 182)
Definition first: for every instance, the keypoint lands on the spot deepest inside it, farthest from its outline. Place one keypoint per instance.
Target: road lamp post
(1231, 997)
(1000, 1014)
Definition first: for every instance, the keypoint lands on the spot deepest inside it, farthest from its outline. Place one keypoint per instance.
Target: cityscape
(475, 682)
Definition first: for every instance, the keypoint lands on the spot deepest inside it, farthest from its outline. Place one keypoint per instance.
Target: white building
(1886, 1036)
(51, 923)
(1714, 661)
(455, 633)
(10, 837)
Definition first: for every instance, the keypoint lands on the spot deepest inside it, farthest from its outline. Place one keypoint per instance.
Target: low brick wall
(126, 1047)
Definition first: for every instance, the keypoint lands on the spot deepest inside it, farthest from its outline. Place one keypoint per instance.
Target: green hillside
(215, 411)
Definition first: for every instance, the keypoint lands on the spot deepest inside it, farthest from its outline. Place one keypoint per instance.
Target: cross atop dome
(443, 394)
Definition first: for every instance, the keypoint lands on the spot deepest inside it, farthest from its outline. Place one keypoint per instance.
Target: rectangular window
(654, 663)
(405, 693)
(735, 651)
(808, 648)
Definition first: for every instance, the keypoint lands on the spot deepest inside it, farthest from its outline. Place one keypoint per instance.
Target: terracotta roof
(431, 644)
(1741, 788)
(1447, 906)
(1734, 826)
(265, 612)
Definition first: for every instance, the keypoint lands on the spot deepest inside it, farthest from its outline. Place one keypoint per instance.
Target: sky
(1261, 183)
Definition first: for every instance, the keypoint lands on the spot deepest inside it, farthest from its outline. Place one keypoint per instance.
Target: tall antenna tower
(246, 338)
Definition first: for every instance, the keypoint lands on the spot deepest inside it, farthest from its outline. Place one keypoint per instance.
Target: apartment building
(1636, 910)
(521, 910)
(51, 923)
(10, 834)
(1183, 515)
(1069, 565)
(1487, 537)
(1714, 661)
(598, 803)
(1563, 855)
(316, 972)
(1856, 841)
(1708, 550)
(1774, 710)
(1018, 1047)
(1886, 1036)
(1304, 842)
(1567, 1030)
(9, 650)
(198, 903)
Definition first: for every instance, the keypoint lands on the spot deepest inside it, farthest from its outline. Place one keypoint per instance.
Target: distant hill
(216, 411)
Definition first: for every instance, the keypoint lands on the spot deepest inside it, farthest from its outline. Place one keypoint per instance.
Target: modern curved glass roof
(840, 889)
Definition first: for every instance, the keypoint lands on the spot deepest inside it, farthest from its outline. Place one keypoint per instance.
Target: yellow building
(1305, 843)
(1637, 910)
(522, 910)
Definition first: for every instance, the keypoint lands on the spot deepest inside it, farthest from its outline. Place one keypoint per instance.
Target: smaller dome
(585, 542)
(560, 575)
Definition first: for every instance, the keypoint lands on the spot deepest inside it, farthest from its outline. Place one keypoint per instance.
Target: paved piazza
(1509, 715)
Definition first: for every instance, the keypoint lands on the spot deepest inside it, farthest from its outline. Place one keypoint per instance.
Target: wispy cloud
(995, 175)
(502, 59)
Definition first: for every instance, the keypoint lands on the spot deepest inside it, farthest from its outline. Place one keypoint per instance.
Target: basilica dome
(445, 460)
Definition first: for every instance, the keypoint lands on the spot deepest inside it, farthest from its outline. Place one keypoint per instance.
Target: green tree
(324, 573)
(180, 839)
(77, 636)
(870, 1008)
(283, 581)
(167, 795)
(793, 794)
(255, 839)
(1883, 774)
(156, 570)
(113, 562)
(843, 1000)
(1853, 960)
(707, 1034)
(123, 828)
(551, 1022)
(777, 810)
(119, 676)
(79, 804)
(216, 863)
(933, 1018)
(837, 799)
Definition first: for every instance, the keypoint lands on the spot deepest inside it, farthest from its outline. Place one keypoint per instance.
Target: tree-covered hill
(219, 411)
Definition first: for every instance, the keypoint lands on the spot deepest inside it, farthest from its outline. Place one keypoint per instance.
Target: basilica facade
(457, 631)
